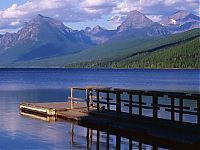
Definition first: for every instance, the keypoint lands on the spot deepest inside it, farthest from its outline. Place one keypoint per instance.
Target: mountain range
(181, 21)
(43, 37)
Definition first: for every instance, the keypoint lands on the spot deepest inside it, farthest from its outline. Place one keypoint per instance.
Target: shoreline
(103, 68)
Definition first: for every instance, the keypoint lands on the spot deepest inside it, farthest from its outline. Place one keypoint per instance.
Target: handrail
(107, 101)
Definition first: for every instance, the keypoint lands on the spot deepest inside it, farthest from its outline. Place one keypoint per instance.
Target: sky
(78, 14)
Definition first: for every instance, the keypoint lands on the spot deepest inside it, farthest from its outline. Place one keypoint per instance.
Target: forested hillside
(176, 51)
(185, 55)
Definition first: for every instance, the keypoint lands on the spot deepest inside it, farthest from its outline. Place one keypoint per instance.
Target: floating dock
(99, 110)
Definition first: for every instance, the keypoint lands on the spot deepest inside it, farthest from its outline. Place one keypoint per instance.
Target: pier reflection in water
(82, 137)
(96, 139)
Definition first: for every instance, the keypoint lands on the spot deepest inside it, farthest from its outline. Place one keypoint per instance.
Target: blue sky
(79, 14)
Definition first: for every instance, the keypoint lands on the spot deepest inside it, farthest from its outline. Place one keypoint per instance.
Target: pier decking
(106, 109)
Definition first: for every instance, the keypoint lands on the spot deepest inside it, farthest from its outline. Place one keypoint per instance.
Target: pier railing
(113, 101)
(89, 95)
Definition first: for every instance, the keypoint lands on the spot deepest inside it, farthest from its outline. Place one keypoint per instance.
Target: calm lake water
(46, 85)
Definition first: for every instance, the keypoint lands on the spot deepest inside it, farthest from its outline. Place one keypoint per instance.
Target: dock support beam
(108, 99)
(130, 144)
(71, 100)
(155, 105)
(172, 108)
(198, 111)
(107, 141)
(88, 99)
(97, 100)
(118, 105)
(140, 105)
(98, 140)
(130, 104)
(181, 110)
(118, 142)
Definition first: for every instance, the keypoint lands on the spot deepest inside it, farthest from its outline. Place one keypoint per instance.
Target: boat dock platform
(107, 109)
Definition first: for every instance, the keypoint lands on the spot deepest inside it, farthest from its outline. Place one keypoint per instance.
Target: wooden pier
(113, 110)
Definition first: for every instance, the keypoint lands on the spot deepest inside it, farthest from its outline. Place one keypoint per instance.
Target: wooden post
(88, 138)
(198, 111)
(72, 135)
(71, 100)
(108, 99)
(172, 108)
(181, 109)
(155, 105)
(118, 102)
(140, 146)
(130, 144)
(140, 104)
(118, 142)
(98, 139)
(130, 104)
(97, 100)
(155, 147)
(88, 99)
(107, 141)
(91, 99)
(91, 134)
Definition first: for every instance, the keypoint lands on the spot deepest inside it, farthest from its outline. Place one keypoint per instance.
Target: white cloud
(65, 10)
(155, 18)
(117, 20)
(155, 9)
(172, 2)
(97, 6)
(14, 23)
(126, 6)
(96, 3)
(84, 10)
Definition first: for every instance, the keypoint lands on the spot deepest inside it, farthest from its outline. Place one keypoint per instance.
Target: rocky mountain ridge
(181, 21)
(44, 37)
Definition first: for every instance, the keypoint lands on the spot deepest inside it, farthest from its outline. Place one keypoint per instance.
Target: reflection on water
(22, 132)
(95, 139)
(40, 117)
(87, 138)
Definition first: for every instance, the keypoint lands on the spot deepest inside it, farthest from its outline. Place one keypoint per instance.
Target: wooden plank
(134, 102)
(145, 107)
(79, 88)
(103, 102)
(184, 112)
(145, 93)
(90, 88)
(77, 99)
(108, 90)
(189, 97)
(101, 88)
(169, 106)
